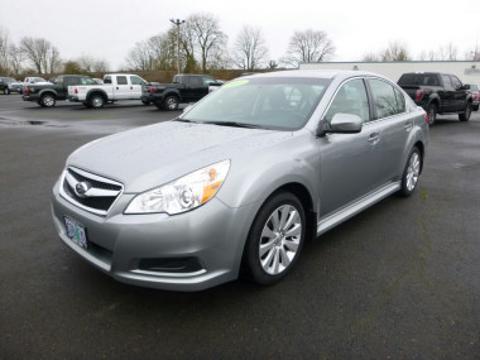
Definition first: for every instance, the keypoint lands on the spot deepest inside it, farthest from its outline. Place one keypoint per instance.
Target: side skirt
(356, 207)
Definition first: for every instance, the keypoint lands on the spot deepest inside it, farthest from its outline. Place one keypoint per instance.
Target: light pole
(178, 23)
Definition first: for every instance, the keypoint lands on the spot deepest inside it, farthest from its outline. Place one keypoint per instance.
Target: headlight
(186, 193)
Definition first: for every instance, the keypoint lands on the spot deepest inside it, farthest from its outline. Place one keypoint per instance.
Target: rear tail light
(419, 94)
(151, 89)
(26, 90)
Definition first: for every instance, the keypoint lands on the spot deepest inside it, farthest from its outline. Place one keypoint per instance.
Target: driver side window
(350, 99)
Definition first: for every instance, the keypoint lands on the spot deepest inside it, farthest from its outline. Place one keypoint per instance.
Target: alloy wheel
(413, 171)
(280, 239)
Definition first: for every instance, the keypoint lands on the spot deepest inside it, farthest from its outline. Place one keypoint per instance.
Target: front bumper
(213, 234)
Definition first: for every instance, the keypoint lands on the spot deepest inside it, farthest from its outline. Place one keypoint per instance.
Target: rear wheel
(411, 174)
(432, 111)
(276, 239)
(465, 116)
(7, 91)
(96, 101)
(171, 103)
(47, 100)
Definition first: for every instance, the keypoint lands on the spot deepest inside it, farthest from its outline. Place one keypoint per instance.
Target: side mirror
(466, 87)
(341, 123)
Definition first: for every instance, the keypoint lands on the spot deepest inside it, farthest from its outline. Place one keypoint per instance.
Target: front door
(347, 160)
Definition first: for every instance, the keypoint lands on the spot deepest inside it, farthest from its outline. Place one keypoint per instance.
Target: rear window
(122, 80)
(419, 80)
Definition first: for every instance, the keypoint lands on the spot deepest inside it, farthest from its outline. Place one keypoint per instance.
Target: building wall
(467, 71)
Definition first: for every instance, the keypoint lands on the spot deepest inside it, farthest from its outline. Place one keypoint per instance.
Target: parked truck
(46, 93)
(185, 88)
(438, 93)
(115, 87)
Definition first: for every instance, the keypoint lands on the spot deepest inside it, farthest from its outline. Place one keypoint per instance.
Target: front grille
(88, 191)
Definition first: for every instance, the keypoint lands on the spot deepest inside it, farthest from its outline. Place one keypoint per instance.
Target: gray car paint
(336, 170)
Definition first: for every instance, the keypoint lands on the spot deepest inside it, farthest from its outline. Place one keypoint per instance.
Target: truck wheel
(7, 91)
(432, 114)
(465, 116)
(96, 101)
(171, 103)
(47, 100)
(146, 102)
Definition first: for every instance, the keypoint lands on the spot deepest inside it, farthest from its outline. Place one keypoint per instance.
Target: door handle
(117, 88)
(374, 138)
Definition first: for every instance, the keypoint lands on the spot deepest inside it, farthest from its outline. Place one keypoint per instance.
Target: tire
(432, 111)
(48, 100)
(96, 101)
(279, 251)
(465, 116)
(146, 102)
(171, 103)
(411, 173)
(7, 91)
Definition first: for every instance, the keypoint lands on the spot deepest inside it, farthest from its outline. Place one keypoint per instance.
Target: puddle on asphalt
(42, 123)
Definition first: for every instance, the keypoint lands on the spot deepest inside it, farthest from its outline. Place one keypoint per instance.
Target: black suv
(438, 93)
(46, 95)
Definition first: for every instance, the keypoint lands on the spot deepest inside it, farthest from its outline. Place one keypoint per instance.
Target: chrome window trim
(89, 175)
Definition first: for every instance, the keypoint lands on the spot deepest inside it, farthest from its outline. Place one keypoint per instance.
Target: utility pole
(178, 23)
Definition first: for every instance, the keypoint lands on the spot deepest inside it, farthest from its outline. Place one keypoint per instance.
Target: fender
(96, 90)
(48, 90)
(415, 136)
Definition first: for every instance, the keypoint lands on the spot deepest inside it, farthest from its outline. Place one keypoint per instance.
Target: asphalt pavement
(400, 281)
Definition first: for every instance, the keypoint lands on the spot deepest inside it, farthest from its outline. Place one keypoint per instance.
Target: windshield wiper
(233, 123)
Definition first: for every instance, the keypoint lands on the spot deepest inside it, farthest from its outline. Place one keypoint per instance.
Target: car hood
(154, 155)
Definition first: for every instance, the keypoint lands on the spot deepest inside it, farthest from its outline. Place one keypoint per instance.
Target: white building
(467, 71)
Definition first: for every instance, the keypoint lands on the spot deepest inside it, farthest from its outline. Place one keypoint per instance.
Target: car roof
(320, 74)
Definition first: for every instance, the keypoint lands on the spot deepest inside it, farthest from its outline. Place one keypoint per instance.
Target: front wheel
(465, 116)
(275, 239)
(411, 174)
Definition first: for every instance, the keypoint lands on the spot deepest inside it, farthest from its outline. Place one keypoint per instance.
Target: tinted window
(419, 80)
(107, 80)
(384, 99)
(447, 83)
(350, 99)
(122, 80)
(207, 80)
(400, 100)
(135, 80)
(278, 103)
(455, 82)
(195, 81)
(69, 81)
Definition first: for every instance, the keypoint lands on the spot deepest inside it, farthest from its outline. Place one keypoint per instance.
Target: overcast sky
(109, 28)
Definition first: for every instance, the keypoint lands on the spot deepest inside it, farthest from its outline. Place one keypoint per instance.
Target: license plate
(76, 232)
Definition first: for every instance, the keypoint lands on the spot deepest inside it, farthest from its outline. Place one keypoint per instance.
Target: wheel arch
(48, 92)
(93, 92)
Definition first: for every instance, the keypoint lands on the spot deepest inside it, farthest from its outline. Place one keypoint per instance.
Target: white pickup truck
(115, 87)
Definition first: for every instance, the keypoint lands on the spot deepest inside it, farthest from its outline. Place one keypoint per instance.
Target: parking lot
(400, 280)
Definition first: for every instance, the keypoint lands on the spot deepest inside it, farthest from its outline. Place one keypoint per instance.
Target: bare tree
(474, 54)
(370, 57)
(16, 58)
(308, 46)
(272, 65)
(250, 48)
(211, 40)
(91, 64)
(396, 51)
(4, 56)
(140, 57)
(42, 54)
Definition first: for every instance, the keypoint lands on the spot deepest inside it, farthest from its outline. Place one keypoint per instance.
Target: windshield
(283, 103)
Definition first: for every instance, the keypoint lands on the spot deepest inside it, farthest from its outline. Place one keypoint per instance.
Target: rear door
(459, 93)
(136, 86)
(392, 124)
(447, 95)
(195, 88)
(122, 88)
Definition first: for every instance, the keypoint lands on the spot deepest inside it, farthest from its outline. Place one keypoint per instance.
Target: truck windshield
(283, 103)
